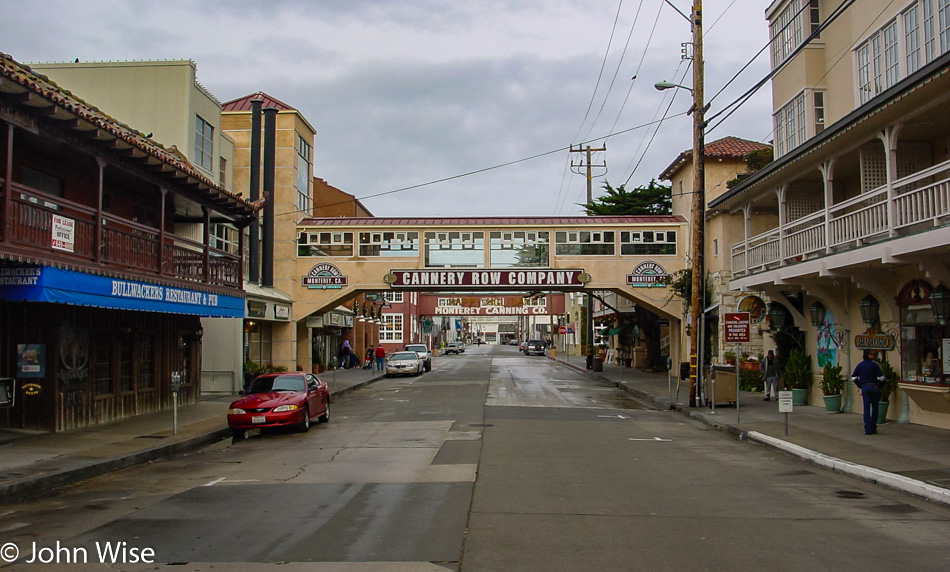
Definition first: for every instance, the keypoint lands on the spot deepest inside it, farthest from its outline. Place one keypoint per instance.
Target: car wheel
(240, 434)
(428, 366)
(325, 417)
(305, 423)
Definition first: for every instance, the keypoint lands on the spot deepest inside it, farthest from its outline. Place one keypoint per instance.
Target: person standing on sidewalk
(868, 376)
(770, 375)
(380, 358)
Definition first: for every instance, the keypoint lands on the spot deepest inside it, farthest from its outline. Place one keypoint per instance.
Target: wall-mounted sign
(487, 278)
(31, 360)
(874, 341)
(64, 233)
(32, 388)
(324, 276)
(648, 274)
(281, 312)
(755, 306)
(314, 321)
(256, 309)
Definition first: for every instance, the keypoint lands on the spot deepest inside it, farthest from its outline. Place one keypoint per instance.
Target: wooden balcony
(116, 244)
(916, 203)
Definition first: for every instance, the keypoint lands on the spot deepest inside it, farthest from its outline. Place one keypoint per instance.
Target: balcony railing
(921, 201)
(124, 245)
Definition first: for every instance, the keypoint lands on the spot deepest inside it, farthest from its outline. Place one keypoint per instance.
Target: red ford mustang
(280, 399)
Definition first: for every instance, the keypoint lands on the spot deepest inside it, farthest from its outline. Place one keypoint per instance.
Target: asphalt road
(492, 461)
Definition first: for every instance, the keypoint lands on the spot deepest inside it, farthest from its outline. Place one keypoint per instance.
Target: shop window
(145, 360)
(125, 352)
(102, 364)
(923, 341)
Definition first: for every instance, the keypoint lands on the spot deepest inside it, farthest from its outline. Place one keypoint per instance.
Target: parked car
(521, 346)
(512, 342)
(424, 353)
(404, 363)
(280, 400)
(453, 348)
(534, 347)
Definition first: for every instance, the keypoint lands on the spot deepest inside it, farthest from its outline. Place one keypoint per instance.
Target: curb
(890, 480)
(16, 489)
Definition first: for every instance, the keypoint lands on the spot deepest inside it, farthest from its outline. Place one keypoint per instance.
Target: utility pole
(698, 212)
(589, 325)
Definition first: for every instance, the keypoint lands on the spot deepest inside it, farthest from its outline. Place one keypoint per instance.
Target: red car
(279, 400)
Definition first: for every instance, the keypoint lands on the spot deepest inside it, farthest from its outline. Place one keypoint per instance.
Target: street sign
(562, 330)
(784, 401)
(736, 328)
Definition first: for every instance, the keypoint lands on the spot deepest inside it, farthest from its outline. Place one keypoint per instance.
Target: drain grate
(481, 425)
(850, 494)
(152, 437)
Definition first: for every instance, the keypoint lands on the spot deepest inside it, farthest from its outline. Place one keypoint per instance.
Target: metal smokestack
(270, 150)
(254, 273)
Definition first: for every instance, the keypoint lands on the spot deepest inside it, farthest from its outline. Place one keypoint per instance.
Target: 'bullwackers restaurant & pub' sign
(487, 278)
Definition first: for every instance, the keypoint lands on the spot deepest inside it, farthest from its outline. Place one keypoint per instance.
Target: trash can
(684, 370)
(598, 363)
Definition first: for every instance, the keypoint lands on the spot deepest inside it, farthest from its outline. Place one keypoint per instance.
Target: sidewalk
(907, 457)
(34, 461)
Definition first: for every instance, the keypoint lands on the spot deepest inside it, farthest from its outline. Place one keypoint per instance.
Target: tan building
(856, 257)
(725, 165)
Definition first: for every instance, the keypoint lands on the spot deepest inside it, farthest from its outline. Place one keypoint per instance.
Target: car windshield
(278, 383)
(405, 356)
(417, 348)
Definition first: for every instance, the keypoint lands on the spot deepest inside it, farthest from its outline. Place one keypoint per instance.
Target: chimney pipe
(270, 150)
(254, 272)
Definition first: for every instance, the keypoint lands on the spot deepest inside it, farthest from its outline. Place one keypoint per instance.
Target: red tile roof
(725, 148)
(244, 103)
(493, 221)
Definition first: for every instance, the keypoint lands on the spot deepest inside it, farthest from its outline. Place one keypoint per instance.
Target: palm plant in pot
(891, 377)
(797, 376)
(832, 382)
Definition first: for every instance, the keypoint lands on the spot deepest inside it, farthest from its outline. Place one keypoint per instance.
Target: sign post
(176, 387)
(785, 406)
(737, 330)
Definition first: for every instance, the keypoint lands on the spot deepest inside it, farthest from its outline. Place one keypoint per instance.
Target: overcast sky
(403, 93)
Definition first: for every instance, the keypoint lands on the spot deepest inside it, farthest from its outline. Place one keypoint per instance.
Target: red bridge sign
(736, 327)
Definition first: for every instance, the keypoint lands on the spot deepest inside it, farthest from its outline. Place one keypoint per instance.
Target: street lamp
(940, 303)
(869, 307)
(698, 210)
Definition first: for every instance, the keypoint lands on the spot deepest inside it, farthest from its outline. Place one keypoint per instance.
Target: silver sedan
(404, 363)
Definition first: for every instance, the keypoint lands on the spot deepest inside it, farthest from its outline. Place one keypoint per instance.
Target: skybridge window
(585, 243)
(325, 244)
(389, 244)
(648, 242)
(455, 249)
(513, 249)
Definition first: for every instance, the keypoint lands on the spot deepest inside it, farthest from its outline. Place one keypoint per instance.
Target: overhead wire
(600, 75)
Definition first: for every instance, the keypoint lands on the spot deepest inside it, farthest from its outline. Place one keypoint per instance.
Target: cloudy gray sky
(404, 93)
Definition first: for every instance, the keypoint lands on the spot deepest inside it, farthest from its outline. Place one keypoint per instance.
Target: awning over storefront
(61, 286)
(615, 331)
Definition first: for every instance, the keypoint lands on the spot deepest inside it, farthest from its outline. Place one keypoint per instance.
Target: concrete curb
(870, 474)
(16, 489)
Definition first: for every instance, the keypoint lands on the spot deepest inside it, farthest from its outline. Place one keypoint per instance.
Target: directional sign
(736, 327)
(785, 403)
(562, 330)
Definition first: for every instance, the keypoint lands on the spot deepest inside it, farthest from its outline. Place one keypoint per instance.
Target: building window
(325, 244)
(224, 238)
(304, 175)
(819, 111)
(223, 172)
(790, 125)
(647, 242)
(584, 243)
(204, 144)
(943, 16)
(390, 329)
(102, 364)
(389, 244)
(455, 249)
(814, 16)
(393, 297)
(145, 360)
(912, 39)
(515, 248)
(786, 31)
(891, 55)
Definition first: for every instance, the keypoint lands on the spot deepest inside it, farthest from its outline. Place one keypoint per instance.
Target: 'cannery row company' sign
(487, 278)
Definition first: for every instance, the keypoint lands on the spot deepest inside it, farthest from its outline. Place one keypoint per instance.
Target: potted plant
(891, 377)
(832, 382)
(730, 357)
(251, 370)
(797, 376)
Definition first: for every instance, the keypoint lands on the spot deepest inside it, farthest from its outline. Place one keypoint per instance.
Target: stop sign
(562, 330)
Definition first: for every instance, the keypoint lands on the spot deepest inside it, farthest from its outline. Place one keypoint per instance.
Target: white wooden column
(889, 137)
(827, 169)
(780, 194)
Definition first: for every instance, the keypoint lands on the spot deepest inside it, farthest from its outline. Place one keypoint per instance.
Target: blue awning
(58, 285)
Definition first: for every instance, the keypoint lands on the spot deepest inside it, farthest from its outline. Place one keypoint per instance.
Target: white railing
(921, 199)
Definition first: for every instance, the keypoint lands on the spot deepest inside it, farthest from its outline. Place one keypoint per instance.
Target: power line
(600, 75)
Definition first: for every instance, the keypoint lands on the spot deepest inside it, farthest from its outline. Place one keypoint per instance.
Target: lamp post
(698, 210)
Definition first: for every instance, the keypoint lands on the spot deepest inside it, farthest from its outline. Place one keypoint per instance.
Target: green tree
(651, 199)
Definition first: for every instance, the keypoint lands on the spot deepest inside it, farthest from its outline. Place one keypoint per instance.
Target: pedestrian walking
(770, 375)
(345, 350)
(380, 358)
(868, 376)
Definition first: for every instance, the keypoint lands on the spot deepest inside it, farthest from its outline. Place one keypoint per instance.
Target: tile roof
(725, 148)
(244, 103)
(493, 221)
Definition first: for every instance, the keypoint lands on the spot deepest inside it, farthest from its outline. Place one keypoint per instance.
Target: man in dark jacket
(868, 376)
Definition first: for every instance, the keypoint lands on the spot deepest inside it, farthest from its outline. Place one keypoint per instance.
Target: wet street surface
(492, 461)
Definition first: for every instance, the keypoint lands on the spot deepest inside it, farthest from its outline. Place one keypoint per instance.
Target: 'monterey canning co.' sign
(487, 278)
